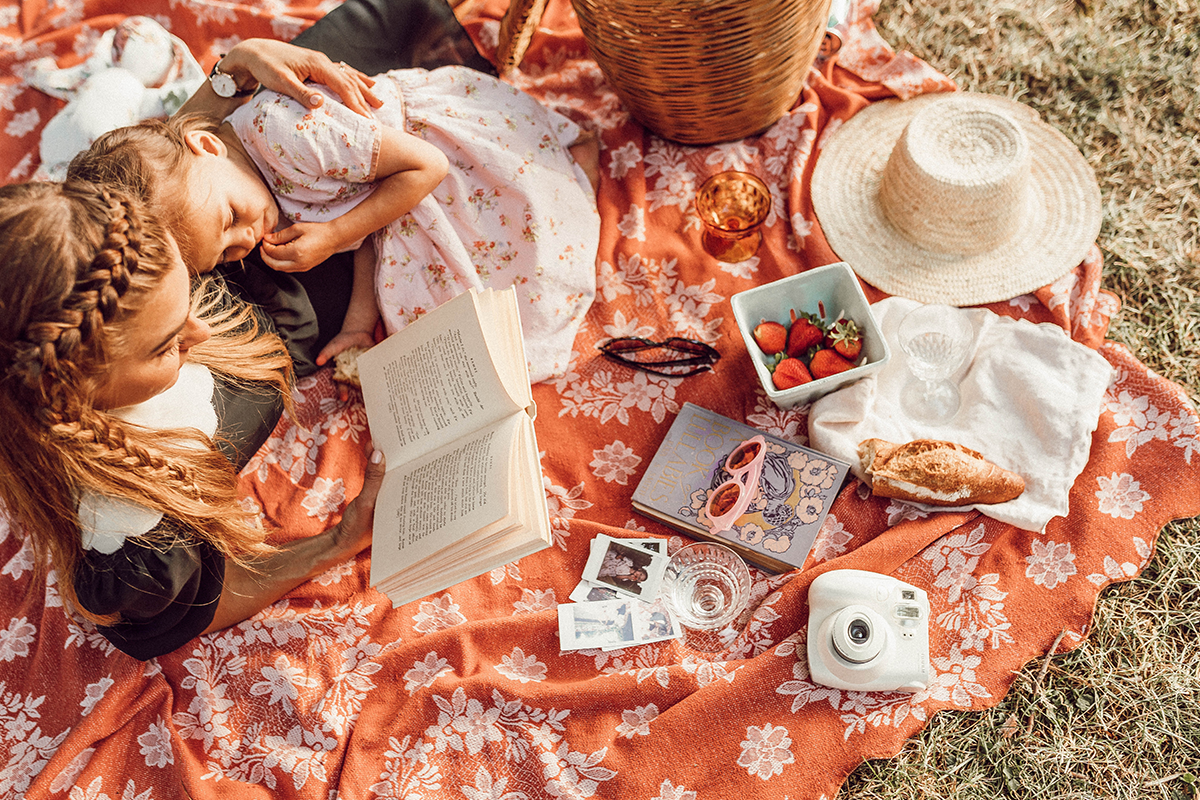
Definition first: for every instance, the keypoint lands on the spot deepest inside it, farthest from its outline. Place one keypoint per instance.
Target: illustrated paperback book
(797, 487)
(449, 404)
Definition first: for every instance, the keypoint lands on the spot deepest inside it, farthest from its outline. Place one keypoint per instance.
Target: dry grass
(1120, 716)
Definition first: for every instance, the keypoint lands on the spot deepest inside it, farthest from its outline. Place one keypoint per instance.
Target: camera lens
(857, 634)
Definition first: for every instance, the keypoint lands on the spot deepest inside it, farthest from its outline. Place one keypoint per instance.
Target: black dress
(167, 594)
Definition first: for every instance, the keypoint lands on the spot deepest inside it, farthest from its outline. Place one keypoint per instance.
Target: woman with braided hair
(120, 479)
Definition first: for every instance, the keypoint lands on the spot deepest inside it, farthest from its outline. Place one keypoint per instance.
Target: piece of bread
(345, 366)
(937, 473)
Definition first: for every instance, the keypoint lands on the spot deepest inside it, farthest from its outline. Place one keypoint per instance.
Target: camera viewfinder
(908, 594)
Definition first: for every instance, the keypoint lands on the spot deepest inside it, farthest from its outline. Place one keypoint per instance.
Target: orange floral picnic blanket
(332, 693)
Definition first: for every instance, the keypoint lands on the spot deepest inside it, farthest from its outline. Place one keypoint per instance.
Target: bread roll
(937, 473)
(345, 366)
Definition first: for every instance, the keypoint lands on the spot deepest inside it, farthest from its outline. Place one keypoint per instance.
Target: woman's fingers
(285, 67)
(376, 469)
(355, 527)
(352, 86)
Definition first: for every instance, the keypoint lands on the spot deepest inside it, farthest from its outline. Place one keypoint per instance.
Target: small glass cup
(707, 587)
(732, 207)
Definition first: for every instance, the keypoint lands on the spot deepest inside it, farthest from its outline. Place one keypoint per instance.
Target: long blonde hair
(75, 260)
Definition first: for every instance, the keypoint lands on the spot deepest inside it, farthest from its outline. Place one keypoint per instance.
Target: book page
(436, 380)
(501, 319)
(426, 506)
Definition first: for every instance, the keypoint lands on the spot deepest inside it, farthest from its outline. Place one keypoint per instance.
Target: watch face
(223, 84)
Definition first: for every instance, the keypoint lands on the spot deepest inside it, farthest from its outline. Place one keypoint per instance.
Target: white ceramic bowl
(836, 286)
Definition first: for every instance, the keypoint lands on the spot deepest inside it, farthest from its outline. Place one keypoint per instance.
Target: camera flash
(908, 612)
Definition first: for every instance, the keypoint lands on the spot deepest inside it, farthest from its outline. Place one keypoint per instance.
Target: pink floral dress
(514, 210)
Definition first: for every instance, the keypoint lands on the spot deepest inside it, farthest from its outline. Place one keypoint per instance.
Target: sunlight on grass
(1118, 716)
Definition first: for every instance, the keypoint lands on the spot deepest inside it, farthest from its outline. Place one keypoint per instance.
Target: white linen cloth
(1031, 400)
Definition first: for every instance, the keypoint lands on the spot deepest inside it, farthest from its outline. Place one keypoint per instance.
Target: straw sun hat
(956, 198)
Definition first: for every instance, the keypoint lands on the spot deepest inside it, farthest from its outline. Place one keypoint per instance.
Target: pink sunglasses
(730, 500)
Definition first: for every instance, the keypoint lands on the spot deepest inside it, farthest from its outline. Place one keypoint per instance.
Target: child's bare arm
(408, 169)
(362, 314)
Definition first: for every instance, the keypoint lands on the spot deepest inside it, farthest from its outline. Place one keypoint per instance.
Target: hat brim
(1060, 226)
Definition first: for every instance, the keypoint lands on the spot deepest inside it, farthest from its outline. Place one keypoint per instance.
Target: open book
(449, 404)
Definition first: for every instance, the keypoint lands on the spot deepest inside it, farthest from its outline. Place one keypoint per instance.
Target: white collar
(105, 522)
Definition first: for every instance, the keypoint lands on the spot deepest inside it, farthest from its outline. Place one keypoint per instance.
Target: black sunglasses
(683, 357)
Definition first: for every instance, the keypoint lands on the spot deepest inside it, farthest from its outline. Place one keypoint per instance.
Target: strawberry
(770, 337)
(805, 332)
(846, 338)
(826, 362)
(790, 372)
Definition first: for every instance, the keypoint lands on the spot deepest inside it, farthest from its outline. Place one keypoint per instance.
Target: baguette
(936, 473)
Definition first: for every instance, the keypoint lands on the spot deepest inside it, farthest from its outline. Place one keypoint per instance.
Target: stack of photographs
(617, 602)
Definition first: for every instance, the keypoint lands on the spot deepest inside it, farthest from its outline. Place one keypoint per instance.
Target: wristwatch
(224, 84)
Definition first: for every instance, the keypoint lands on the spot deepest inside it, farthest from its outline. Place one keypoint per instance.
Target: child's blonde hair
(75, 260)
(152, 160)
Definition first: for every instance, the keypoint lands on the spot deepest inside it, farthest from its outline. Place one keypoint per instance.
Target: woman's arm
(408, 169)
(246, 592)
(284, 67)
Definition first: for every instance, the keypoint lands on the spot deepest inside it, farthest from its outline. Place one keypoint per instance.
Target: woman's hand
(353, 533)
(285, 67)
(246, 591)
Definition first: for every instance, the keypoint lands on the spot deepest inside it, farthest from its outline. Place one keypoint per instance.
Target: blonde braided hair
(76, 259)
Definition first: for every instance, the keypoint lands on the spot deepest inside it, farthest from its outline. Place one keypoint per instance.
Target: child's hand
(299, 247)
(344, 341)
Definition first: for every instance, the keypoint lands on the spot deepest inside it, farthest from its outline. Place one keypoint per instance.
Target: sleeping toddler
(459, 181)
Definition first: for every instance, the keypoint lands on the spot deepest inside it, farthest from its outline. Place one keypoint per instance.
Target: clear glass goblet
(707, 587)
(936, 339)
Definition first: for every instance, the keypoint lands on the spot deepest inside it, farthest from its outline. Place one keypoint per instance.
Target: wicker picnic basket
(704, 71)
